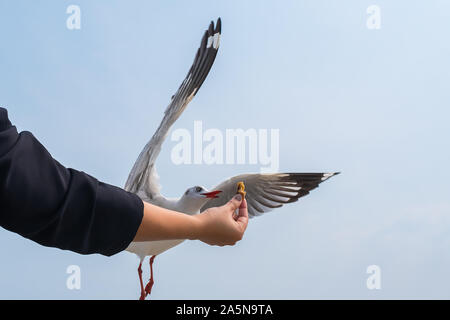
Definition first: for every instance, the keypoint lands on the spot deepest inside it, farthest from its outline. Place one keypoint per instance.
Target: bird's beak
(212, 194)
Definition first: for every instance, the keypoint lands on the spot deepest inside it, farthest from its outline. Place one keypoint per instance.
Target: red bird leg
(143, 295)
(148, 287)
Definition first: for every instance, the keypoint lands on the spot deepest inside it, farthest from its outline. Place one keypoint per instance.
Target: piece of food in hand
(241, 189)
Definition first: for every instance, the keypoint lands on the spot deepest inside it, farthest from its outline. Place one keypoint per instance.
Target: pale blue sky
(370, 103)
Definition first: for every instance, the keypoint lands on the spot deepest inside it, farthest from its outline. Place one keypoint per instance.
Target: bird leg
(143, 295)
(148, 287)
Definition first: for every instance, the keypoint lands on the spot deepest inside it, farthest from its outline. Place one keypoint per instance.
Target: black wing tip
(211, 32)
(211, 28)
(326, 176)
(218, 26)
(308, 181)
(283, 189)
(203, 43)
(312, 175)
(215, 28)
(332, 173)
(203, 61)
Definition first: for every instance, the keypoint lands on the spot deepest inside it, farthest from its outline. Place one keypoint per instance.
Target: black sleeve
(58, 207)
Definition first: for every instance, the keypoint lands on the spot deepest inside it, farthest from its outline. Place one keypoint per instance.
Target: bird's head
(199, 192)
(196, 197)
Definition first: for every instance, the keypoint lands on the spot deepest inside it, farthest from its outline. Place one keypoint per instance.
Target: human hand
(220, 226)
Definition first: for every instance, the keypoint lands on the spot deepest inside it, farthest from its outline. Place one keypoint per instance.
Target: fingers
(235, 202)
(232, 226)
(242, 218)
(243, 204)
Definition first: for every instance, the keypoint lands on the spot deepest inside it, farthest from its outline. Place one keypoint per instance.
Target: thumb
(235, 202)
(242, 217)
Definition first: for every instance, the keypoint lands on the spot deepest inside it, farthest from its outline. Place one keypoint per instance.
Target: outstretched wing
(268, 191)
(143, 176)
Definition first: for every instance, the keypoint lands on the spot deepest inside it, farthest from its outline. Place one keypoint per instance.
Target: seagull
(264, 191)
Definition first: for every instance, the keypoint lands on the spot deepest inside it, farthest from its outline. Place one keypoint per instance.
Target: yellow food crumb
(241, 189)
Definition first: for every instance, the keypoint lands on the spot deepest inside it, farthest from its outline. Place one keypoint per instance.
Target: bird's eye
(198, 189)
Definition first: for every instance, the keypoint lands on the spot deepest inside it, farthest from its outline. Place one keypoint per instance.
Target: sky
(371, 103)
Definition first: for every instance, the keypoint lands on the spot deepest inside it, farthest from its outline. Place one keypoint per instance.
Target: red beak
(212, 194)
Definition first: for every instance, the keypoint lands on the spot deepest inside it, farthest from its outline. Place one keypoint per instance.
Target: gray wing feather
(266, 192)
(143, 176)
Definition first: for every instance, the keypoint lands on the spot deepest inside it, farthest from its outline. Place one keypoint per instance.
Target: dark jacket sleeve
(58, 207)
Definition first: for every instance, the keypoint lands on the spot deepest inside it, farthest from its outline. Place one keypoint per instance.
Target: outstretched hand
(215, 226)
(220, 226)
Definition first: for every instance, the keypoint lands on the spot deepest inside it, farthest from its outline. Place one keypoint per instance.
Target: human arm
(54, 206)
(58, 207)
(215, 226)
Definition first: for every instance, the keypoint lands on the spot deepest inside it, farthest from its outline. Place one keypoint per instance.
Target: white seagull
(264, 191)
